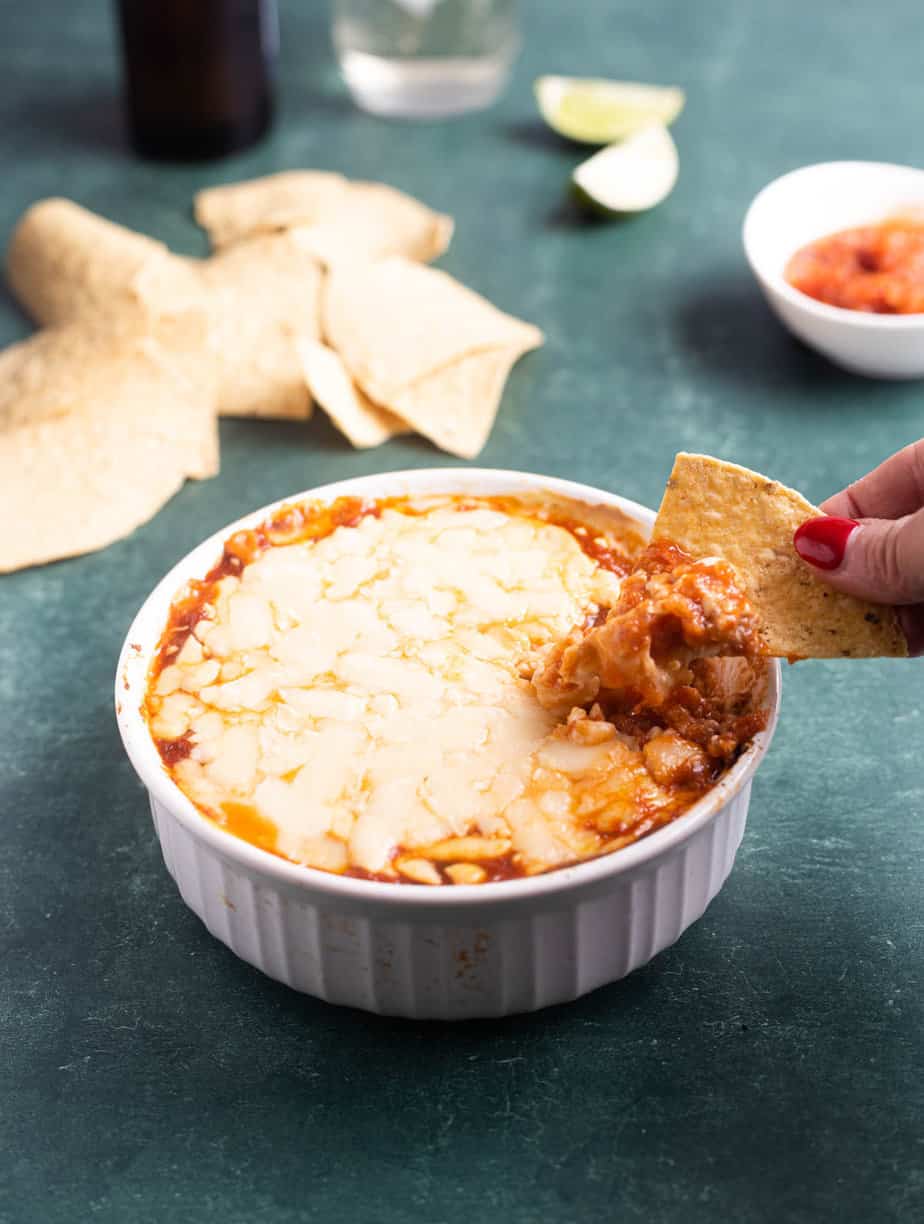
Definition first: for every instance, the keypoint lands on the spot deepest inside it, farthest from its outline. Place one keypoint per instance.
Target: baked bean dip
(452, 689)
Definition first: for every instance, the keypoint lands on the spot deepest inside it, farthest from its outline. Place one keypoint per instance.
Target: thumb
(881, 560)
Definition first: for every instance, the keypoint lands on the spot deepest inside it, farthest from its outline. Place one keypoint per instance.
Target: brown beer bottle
(198, 74)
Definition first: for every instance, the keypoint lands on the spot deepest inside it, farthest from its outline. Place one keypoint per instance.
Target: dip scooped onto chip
(671, 610)
(721, 578)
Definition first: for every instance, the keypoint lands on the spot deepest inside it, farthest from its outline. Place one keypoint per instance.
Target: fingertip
(822, 542)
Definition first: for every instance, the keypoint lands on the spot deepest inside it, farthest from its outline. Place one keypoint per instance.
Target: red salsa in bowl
(877, 269)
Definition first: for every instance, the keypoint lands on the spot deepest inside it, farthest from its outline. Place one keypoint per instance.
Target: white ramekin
(811, 203)
(447, 953)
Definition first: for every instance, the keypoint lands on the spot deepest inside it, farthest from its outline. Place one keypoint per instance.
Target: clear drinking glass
(425, 57)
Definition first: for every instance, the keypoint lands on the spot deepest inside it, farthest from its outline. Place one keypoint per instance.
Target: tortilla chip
(263, 205)
(337, 220)
(97, 432)
(373, 222)
(713, 508)
(363, 422)
(261, 297)
(394, 322)
(455, 407)
(179, 347)
(65, 263)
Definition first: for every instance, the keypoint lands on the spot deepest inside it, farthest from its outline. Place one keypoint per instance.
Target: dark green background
(769, 1066)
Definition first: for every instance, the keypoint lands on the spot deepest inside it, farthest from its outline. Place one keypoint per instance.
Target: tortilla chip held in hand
(714, 508)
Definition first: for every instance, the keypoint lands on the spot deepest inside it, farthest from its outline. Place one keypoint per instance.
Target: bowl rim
(776, 283)
(134, 661)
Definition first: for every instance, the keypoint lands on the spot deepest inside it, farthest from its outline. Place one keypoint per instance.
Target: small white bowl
(451, 952)
(811, 203)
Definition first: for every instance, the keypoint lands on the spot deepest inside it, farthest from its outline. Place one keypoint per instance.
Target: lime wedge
(629, 177)
(599, 112)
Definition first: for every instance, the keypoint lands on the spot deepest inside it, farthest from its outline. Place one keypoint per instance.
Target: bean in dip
(878, 269)
(352, 686)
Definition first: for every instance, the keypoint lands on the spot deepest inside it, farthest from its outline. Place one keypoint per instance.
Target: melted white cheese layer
(369, 690)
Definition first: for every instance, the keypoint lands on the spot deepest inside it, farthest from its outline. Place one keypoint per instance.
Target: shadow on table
(21, 326)
(388, 1036)
(535, 134)
(726, 326)
(88, 117)
(568, 213)
(94, 119)
(564, 211)
(316, 434)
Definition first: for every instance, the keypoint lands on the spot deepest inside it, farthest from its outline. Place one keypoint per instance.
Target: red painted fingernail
(822, 541)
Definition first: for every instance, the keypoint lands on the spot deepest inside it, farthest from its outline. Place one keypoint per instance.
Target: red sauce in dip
(878, 269)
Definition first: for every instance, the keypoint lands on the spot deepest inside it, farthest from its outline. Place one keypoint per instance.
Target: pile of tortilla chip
(316, 291)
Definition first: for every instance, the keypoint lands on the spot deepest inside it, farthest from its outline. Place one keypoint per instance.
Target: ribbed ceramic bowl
(811, 203)
(451, 952)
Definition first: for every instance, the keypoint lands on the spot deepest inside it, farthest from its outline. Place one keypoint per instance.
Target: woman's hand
(872, 543)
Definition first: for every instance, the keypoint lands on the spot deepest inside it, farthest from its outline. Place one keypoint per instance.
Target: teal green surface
(766, 1068)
